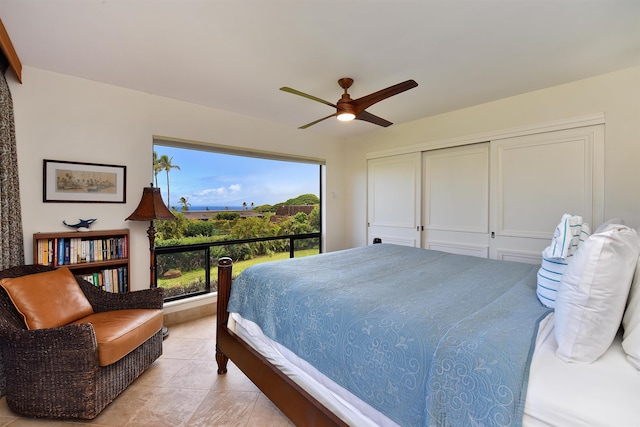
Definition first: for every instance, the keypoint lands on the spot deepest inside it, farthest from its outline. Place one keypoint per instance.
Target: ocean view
(216, 208)
(217, 182)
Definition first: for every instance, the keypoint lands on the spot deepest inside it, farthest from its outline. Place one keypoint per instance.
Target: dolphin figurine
(84, 223)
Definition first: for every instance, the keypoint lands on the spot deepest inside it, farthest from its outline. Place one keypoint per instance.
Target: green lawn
(198, 275)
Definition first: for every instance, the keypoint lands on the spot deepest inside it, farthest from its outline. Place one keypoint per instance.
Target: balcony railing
(189, 270)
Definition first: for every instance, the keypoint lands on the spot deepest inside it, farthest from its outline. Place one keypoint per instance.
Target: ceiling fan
(349, 109)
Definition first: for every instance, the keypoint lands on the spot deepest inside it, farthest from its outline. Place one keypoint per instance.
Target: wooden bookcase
(100, 256)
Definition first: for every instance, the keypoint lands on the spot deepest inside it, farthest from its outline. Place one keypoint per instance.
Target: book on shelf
(100, 257)
(110, 279)
(75, 250)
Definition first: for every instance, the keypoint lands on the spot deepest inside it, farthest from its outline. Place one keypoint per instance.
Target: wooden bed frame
(301, 408)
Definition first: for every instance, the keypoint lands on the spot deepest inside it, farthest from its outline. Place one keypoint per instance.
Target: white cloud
(213, 196)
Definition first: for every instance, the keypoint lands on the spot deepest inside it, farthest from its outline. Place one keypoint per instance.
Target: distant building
(281, 213)
(291, 210)
(284, 212)
(204, 215)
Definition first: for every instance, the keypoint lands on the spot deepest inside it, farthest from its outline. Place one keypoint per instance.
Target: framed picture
(75, 182)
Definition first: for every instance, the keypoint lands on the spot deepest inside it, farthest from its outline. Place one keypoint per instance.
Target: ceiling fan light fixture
(346, 116)
(345, 112)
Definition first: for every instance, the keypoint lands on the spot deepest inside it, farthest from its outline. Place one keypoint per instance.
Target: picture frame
(79, 182)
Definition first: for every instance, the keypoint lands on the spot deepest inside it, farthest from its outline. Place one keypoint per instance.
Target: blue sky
(211, 179)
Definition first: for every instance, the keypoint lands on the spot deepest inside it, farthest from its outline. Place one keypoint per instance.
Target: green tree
(201, 228)
(314, 218)
(265, 208)
(297, 224)
(165, 164)
(303, 199)
(252, 227)
(156, 167)
(227, 215)
(184, 204)
(172, 229)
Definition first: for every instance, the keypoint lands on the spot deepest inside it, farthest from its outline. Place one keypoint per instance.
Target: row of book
(76, 250)
(110, 280)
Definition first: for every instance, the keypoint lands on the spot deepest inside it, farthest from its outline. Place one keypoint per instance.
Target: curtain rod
(10, 52)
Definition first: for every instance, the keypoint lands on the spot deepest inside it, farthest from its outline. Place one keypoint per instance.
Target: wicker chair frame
(54, 373)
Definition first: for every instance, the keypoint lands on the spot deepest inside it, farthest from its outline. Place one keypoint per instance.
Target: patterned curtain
(11, 239)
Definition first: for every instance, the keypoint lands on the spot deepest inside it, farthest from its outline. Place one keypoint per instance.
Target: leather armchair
(55, 372)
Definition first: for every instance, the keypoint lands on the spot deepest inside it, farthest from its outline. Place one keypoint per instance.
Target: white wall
(61, 117)
(65, 118)
(617, 95)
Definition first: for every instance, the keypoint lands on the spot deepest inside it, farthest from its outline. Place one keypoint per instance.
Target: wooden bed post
(225, 266)
(295, 402)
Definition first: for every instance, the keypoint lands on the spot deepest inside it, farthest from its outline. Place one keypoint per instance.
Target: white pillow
(593, 292)
(569, 234)
(549, 276)
(606, 224)
(631, 322)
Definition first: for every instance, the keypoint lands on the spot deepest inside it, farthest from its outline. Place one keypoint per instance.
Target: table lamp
(152, 208)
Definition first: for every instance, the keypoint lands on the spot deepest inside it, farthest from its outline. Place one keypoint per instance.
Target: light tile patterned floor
(181, 388)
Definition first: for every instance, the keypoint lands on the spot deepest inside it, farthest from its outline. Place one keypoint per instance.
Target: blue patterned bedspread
(425, 337)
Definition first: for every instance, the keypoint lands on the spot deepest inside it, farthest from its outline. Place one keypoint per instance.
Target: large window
(252, 208)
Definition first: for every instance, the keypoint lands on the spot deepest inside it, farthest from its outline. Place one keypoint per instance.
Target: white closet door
(456, 200)
(537, 178)
(394, 199)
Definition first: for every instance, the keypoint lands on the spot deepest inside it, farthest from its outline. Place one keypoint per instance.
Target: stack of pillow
(570, 233)
(597, 292)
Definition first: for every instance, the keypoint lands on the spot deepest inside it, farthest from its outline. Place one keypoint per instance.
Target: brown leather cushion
(119, 332)
(48, 300)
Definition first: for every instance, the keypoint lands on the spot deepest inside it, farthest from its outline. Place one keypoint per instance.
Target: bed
(439, 339)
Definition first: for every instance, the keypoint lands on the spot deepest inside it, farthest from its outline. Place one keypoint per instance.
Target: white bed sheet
(605, 393)
(602, 394)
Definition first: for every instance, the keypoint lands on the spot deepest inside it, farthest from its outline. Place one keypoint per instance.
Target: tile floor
(181, 388)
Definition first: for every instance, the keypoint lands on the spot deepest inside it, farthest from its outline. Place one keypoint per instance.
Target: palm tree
(185, 204)
(165, 164)
(156, 167)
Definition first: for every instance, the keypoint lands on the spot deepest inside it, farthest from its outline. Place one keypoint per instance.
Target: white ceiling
(235, 55)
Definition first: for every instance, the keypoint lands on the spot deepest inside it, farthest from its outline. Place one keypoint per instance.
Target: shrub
(230, 216)
(200, 228)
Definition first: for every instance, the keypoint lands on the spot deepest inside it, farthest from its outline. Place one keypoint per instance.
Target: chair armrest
(67, 348)
(23, 270)
(107, 301)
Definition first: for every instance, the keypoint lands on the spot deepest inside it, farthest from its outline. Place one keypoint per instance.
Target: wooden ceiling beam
(10, 52)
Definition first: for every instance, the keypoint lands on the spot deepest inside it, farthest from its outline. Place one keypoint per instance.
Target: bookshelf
(101, 256)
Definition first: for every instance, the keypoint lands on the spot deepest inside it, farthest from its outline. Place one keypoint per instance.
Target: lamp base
(165, 332)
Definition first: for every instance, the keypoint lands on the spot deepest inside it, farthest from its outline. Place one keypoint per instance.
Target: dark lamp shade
(151, 207)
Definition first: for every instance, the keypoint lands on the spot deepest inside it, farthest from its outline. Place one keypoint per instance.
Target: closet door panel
(393, 198)
(535, 180)
(456, 199)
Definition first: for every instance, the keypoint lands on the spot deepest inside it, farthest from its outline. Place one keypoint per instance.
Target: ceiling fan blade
(368, 117)
(306, 95)
(317, 121)
(361, 104)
